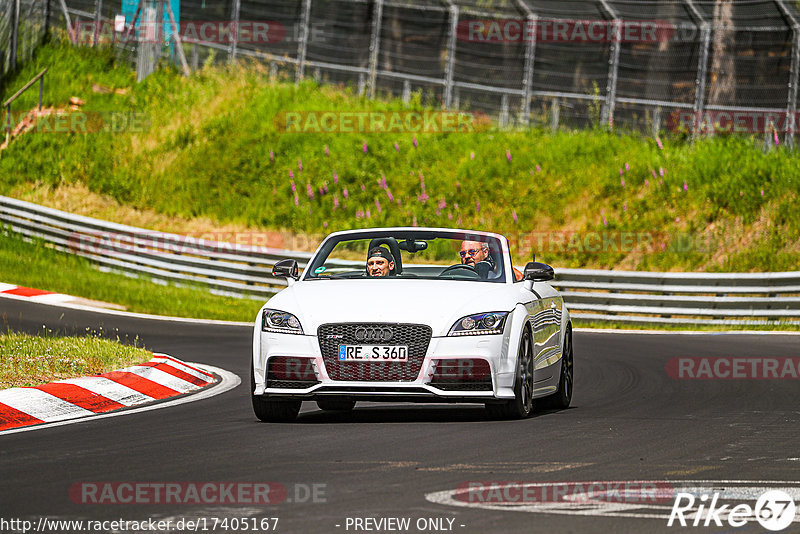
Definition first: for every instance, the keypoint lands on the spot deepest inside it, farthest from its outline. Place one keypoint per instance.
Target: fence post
(527, 81)
(613, 70)
(302, 45)
(791, 100)
(700, 81)
(235, 30)
(451, 56)
(555, 115)
(530, 54)
(98, 17)
(12, 63)
(374, 47)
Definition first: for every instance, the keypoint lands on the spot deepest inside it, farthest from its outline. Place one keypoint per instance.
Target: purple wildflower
(378, 205)
(477, 206)
(294, 188)
(291, 175)
(396, 147)
(300, 165)
(762, 192)
(327, 152)
(622, 182)
(271, 156)
(389, 196)
(538, 168)
(369, 215)
(647, 182)
(627, 167)
(335, 177)
(346, 193)
(508, 155)
(625, 206)
(364, 147)
(514, 215)
(296, 201)
(685, 186)
(325, 224)
(309, 191)
(661, 171)
(335, 202)
(472, 155)
(363, 187)
(414, 142)
(442, 204)
(658, 142)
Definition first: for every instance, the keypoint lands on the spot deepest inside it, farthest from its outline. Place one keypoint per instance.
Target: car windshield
(409, 254)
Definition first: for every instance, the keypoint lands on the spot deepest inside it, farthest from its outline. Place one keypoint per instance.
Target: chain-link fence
(23, 25)
(687, 66)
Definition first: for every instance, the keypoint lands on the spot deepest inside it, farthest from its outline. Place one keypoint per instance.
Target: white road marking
(729, 490)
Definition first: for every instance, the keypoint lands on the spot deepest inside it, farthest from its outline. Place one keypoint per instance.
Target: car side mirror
(538, 272)
(286, 269)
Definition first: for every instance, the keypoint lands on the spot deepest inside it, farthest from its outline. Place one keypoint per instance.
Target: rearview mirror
(538, 272)
(286, 269)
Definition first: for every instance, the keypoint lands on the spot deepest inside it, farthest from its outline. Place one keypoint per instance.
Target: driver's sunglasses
(471, 252)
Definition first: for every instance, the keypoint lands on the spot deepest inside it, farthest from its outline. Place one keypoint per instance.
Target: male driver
(474, 251)
(380, 262)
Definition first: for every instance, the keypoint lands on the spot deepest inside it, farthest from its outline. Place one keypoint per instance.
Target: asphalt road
(629, 421)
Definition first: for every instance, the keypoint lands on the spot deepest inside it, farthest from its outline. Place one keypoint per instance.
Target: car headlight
(280, 321)
(480, 324)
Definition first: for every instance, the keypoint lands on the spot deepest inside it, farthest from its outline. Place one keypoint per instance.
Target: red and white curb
(37, 295)
(160, 378)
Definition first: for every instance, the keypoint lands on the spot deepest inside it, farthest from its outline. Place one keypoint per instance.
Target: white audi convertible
(412, 314)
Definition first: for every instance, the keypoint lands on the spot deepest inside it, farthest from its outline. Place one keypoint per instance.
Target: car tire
(273, 410)
(336, 405)
(522, 405)
(562, 398)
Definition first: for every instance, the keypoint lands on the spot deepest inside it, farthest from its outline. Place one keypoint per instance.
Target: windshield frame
(401, 233)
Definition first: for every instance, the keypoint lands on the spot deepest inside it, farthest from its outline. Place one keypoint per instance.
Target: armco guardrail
(244, 270)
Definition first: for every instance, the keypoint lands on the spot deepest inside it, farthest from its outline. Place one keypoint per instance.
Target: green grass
(213, 150)
(31, 360)
(34, 265)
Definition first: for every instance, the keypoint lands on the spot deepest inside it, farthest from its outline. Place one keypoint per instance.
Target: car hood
(436, 303)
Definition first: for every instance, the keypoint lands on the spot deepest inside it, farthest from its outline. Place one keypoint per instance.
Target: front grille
(416, 336)
(462, 374)
(290, 372)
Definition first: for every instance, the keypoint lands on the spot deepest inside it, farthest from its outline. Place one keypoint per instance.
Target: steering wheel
(459, 266)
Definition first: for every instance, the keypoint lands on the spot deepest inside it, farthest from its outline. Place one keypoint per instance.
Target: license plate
(373, 353)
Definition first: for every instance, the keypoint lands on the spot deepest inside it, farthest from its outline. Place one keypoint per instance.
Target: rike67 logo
(774, 510)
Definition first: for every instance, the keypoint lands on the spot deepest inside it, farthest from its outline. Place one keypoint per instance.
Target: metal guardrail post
(530, 55)
(98, 18)
(791, 99)
(700, 81)
(374, 47)
(176, 34)
(72, 32)
(613, 67)
(449, 69)
(235, 33)
(302, 45)
(46, 20)
(7, 103)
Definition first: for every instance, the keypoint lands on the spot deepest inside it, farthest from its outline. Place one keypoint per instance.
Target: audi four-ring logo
(369, 333)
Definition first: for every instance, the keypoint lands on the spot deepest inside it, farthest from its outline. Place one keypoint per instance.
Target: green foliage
(213, 149)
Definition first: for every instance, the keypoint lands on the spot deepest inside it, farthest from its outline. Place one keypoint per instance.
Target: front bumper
(492, 348)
